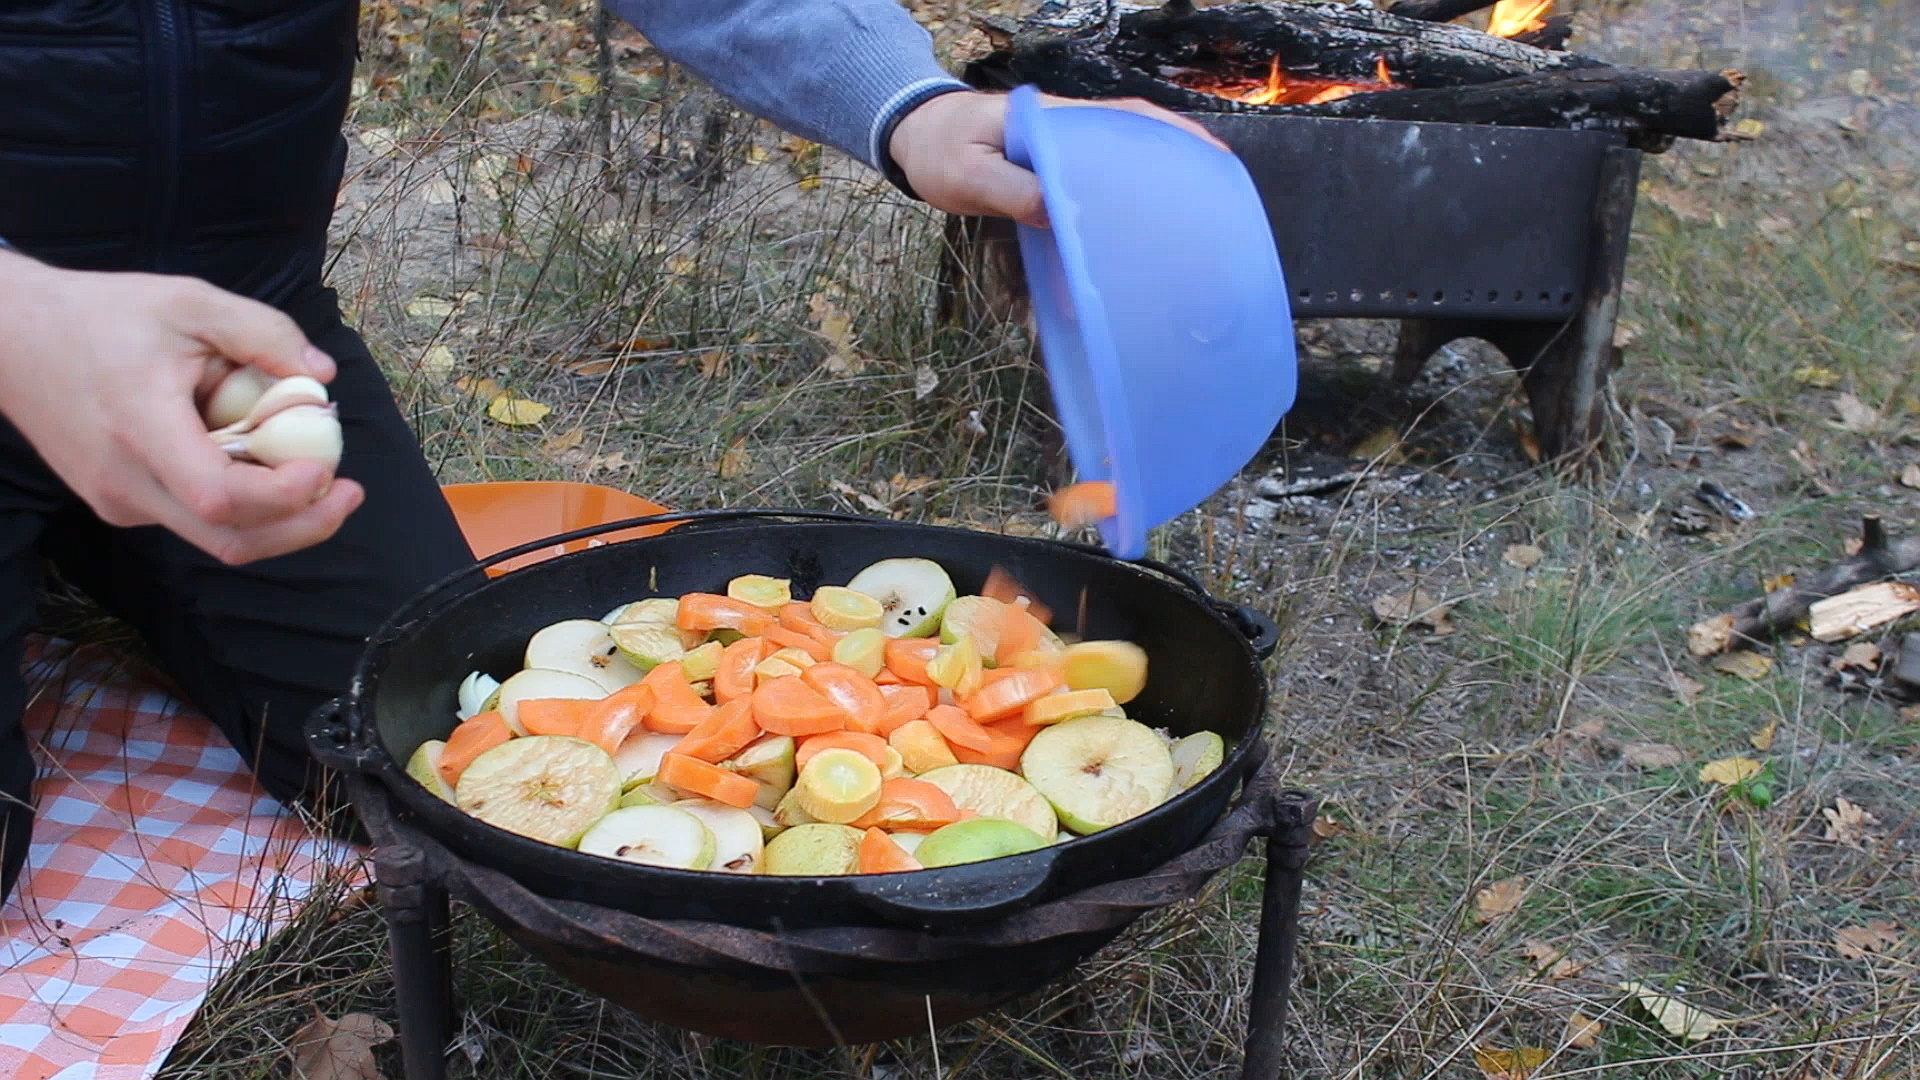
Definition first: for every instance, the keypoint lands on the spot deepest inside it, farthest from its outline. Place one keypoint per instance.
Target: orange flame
(1510, 18)
(1282, 89)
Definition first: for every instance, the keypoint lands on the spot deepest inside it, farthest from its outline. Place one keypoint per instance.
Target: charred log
(1554, 35)
(1437, 10)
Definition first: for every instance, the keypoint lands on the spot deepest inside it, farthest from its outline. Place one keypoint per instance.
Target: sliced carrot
(1008, 695)
(476, 735)
(1083, 503)
(1020, 632)
(880, 855)
(788, 706)
(722, 734)
(678, 708)
(734, 677)
(866, 706)
(909, 805)
(794, 639)
(616, 718)
(556, 716)
(888, 678)
(907, 658)
(696, 777)
(1001, 586)
(905, 703)
(872, 746)
(710, 611)
(1010, 739)
(959, 729)
(799, 616)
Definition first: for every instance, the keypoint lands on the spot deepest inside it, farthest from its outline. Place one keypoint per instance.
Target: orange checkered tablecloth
(156, 864)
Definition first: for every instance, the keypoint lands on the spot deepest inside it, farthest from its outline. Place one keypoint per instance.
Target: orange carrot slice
(1020, 631)
(1082, 504)
(794, 639)
(617, 718)
(696, 777)
(556, 716)
(1008, 695)
(1001, 586)
(907, 658)
(710, 611)
(1010, 739)
(959, 729)
(880, 855)
(872, 746)
(722, 734)
(799, 617)
(734, 677)
(678, 708)
(787, 706)
(905, 703)
(866, 706)
(476, 735)
(909, 805)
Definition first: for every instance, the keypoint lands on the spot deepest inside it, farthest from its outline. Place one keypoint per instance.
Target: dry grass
(1450, 762)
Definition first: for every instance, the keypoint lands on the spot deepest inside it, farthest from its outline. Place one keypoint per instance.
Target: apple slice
(770, 826)
(737, 839)
(837, 785)
(976, 840)
(863, 650)
(542, 683)
(639, 756)
(815, 849)
(769, 761)
(424, 766)
(1195, 756)
(652, 835)
(584, 647)
(908, 841)
(787, 812)
(551, 788)
(702, 662)
(912, 594)
(1099, 771)
(995, 793)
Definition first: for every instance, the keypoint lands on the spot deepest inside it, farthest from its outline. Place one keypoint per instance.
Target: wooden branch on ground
(1758, 620)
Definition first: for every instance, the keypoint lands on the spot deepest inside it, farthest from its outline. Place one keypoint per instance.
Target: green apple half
(1099, 771)
(976, 840)
(551, 788)
(653, 835)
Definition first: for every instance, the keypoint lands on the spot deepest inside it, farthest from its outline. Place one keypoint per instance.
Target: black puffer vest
(193, 137)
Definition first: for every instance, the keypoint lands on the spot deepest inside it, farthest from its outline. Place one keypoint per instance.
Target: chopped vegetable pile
(882, 725)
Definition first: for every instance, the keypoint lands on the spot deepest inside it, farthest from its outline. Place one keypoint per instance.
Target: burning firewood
(1336, 60)
(1756, 620)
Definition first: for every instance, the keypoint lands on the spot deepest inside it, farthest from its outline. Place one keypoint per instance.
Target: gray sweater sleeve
(839, 72)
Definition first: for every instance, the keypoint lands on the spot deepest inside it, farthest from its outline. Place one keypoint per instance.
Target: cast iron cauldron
(1203, 672)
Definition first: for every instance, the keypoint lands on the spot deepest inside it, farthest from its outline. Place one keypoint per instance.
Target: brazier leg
(419, 932)
(1294, 812)
(1565, 386)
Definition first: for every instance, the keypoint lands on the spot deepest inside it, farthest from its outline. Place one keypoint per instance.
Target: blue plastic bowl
(1161, 309)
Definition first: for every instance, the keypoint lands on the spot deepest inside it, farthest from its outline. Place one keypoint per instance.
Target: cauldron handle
(1261, 631)
(334, 739)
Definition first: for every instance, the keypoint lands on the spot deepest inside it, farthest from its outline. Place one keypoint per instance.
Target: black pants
(255, 647)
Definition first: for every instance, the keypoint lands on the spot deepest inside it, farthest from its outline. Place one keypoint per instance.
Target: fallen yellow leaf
(566, 440)
(1679, 1018)
(1550, 960)
(1762, 740)
(1744, 663)
(1729, 771)
(1383, 444)
(429, 307)
(437, 361)
(1847, 822)
(1523, 556)
(1500, 898)
(517, 411)
(1416, 608)
(1775, 582)
(1749, 127)
(1656, 755)
(1816, 376)
(1709, 636)
(1864, 655)
(1516, 1064)
(1583, 1031)
(325, 1049)
(1857, 942)
(736, 460)
(482, 389)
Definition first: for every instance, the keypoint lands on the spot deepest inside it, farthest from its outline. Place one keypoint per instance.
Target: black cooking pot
(1203, 673)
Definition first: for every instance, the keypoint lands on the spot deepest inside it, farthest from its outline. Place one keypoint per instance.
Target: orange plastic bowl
(499, 515)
